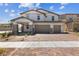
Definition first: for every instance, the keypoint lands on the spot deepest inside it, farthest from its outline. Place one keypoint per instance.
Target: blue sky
(9, 11)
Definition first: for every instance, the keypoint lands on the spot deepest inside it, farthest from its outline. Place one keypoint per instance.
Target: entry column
(51, 28)
(15, 28)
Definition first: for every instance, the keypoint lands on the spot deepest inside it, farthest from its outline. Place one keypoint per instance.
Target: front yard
(5, 51)
(43, 37)
(77, 33)
(42, 52)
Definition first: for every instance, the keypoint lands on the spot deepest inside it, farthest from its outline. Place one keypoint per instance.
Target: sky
(10, 11)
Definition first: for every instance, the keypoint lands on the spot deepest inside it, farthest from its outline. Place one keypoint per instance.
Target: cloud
(12, 11)
(29, 5)
(51, 8)
(62, 7)
(64, 3)
(37, 5)
(1, 4)
(6, 4)
(12, 14)
(6, 10)
(18, 14)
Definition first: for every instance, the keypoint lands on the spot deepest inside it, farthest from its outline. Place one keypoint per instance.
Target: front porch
(22, 28)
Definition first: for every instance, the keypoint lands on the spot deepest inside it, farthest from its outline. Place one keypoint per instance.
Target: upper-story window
(70, 19)
(52, 18)
(38, 17)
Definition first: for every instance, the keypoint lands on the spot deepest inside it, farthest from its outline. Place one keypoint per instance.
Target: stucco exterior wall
(33, 15)
(49, 17)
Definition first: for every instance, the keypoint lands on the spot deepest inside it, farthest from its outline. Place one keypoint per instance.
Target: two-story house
(39, 21)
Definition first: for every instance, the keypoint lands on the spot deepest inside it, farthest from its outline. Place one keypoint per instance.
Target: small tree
(2, 50)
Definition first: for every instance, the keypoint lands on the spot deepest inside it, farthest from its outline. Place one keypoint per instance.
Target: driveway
(43, 37)
(52, 37)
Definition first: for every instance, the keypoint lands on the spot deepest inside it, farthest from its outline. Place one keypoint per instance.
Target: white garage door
(57, 28)
(42, 28)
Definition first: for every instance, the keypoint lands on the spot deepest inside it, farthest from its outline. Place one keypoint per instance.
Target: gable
(32, 11)
(22, 20)
(47, 12)
(41, 11)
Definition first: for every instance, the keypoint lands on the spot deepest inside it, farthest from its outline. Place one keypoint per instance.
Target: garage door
(57, 28)
(42, 28)
(76, 27)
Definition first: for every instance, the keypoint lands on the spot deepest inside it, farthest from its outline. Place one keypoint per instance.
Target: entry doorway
(20, 27)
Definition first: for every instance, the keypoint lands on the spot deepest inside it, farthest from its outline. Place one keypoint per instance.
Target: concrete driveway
(43, 37)
(52, 37)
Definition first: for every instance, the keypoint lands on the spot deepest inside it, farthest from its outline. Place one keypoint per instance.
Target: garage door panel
(57, 28)
(42, 28)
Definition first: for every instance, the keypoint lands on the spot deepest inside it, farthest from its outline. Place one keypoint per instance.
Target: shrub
(7, 35)
(2, 50)
(29, 33)
(3, 35)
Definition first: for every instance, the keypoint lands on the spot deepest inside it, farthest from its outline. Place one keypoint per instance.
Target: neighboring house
(72, 21)
(39, 21)
(5, 27)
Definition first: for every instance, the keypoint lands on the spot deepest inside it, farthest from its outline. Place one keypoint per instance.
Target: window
(27, 26)
(52, 18)
(38, 17)
(70, 19)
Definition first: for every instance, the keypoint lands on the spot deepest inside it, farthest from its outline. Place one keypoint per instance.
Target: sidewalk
(39, 44)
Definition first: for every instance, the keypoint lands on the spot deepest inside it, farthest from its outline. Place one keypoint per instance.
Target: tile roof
(70, 14)
(20, 17)
(37, 10)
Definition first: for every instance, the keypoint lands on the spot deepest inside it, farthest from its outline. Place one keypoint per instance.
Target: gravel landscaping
(7, 51)
(46, 52)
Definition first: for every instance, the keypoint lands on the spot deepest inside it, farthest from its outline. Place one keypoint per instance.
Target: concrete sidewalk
(39, 44)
